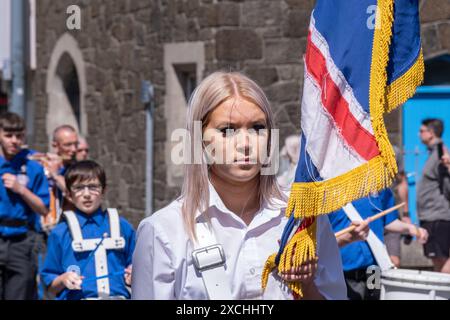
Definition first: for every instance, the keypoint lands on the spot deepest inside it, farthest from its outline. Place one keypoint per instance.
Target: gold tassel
(268, 267)
(299, 249)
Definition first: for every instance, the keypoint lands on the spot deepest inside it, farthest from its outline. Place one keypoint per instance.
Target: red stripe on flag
(356, 136)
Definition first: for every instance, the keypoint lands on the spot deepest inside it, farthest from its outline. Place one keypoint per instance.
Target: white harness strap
(209, 260)
(114, 242)
(114, 223)
(376, 246)
(74, 227)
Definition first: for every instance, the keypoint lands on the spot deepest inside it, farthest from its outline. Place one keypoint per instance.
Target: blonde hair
(213, 91)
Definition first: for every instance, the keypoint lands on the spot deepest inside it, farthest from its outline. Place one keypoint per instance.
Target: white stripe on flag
(339, 79)
(328, 150)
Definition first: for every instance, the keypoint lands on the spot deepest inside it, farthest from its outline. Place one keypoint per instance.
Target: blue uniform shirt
(60, 256)
(12, 206)
(357, 255)
(37, 217)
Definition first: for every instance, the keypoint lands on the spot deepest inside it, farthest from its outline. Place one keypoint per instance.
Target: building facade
(92, 76)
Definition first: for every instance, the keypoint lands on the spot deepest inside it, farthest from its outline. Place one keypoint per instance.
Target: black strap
(13, 223)
(442, 170)
(356, 274)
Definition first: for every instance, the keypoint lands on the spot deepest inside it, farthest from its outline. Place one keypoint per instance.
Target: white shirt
(162, 262)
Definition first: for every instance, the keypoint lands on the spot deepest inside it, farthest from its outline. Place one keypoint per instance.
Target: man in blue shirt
(90, 251)
(357, 256)
(23, 192)
(65, 145)
(65, 142)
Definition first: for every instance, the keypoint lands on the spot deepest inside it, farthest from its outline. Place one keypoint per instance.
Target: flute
(44, 156)
(47, 157)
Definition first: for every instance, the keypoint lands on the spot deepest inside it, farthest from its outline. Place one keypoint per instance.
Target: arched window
(68, 74)
(66, 87)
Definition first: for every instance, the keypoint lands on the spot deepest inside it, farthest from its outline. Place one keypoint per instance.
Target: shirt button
(252, 270)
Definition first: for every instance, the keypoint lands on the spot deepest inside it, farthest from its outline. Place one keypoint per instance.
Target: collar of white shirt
(268, 211)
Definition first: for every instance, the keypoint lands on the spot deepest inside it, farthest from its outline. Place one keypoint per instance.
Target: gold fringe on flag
(404, 87)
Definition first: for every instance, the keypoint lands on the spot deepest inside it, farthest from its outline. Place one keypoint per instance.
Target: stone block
(284, 92)
(261, 13)
(220, 14)
(281, 51)
(291, 71)
(137, 197)
(264, 76)
(444, 35)
(430, 41)
(296, 23)
(432, 10)
(238, 44)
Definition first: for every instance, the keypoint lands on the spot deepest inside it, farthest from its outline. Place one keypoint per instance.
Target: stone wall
(119, 47)
(122, 43)
(435, 33)
(435, 21)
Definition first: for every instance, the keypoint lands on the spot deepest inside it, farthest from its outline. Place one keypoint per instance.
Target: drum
(108, 298)
(405, 284)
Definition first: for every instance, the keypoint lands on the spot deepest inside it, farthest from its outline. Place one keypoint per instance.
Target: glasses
(92, 188)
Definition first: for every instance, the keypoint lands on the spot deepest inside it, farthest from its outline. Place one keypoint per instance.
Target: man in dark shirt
(433, 195)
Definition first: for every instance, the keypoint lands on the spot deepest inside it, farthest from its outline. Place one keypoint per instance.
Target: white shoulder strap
(376, 246)
(209, 259)
(114, 223)
(74, 226)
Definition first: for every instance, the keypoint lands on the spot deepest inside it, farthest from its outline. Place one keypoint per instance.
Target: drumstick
(370, 219)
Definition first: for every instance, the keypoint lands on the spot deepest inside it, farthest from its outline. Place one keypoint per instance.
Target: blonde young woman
(212, 242)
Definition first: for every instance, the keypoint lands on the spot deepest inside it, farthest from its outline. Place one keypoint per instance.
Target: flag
(363, 59)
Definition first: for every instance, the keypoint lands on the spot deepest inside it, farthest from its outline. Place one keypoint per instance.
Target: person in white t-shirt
(213, 241)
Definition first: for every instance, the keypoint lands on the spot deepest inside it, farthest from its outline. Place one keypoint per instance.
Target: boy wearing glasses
(90, 251)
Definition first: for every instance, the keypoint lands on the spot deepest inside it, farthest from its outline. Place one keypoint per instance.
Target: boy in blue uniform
(90, 251)
(23, 192)
(357, 256)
